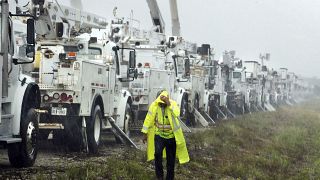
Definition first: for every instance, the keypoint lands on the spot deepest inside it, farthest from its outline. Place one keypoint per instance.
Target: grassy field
(266, 145)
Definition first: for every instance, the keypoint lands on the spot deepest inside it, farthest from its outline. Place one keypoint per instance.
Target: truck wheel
(197, 103)
(184, 108)
(127, 121)
(94, 129)
(24, 154)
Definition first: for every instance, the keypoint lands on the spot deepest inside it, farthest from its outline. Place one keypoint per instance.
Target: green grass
(271, 145)
(266, 145)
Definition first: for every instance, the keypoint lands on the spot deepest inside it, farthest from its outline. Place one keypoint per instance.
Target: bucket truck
(153, 72)
(80, 79)
(268, 89)
(20, 95)
(283, 85)
(190, 76)
(222, 91)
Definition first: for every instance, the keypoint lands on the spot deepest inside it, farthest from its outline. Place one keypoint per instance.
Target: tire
(93, 124)
(184, 108)
(192, 120)
(197, 103)
(127, 121)
(25, 153)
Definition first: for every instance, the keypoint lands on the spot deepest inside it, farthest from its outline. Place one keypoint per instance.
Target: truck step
(10, 140)
(7, 116)
(50, 126)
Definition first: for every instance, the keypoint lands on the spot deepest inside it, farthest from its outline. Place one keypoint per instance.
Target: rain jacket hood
(163, 93)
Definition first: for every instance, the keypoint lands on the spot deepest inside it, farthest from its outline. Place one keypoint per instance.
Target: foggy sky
(288, 29)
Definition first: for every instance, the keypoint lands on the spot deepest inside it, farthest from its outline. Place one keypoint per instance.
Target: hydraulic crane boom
(156, 15)
(77, 4)
(55, 21)
(174, 18)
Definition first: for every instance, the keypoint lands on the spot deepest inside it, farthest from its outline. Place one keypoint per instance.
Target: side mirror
(59, 29)
(30, 32)
(187, 67)
(132, 73)
(132, 59)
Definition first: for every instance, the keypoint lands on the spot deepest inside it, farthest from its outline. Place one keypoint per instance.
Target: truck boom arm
(174, 18)
(58, 21)
(156, 15)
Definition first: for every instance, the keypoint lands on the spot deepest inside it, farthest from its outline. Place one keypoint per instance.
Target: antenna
(115, 11)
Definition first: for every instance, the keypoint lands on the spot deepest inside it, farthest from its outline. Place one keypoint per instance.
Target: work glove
(144, 138)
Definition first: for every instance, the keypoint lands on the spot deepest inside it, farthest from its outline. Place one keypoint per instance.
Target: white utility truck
(79, 78)
(20, 95)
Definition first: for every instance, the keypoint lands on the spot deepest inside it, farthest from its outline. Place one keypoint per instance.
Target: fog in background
(288, 29)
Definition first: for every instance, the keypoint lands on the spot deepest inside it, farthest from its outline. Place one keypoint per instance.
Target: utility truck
(80, 78)
(152, 74)
(20, 95)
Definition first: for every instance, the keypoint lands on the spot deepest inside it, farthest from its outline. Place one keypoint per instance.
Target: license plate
(59, 111)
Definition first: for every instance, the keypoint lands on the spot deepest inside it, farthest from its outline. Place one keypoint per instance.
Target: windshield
(94, 51)
(236, 75)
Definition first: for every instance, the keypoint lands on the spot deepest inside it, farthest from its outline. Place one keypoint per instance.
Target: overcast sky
(288, 29)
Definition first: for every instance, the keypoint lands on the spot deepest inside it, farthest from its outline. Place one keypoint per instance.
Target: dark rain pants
(170, 145)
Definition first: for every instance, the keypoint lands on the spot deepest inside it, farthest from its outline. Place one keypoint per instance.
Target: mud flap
(84, 134)
(120, 134)
(198, 116)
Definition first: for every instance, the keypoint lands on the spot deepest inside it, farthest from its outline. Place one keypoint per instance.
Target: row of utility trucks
(60, 81)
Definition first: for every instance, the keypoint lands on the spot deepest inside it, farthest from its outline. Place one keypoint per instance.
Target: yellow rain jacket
(173, 112)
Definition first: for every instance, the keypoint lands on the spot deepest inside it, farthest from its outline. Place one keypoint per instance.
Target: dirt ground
(53, 158)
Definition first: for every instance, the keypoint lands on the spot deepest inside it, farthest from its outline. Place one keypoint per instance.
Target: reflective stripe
(172, 108)
(176, 127)
(163, 126)
(145, 128)
(150, 113)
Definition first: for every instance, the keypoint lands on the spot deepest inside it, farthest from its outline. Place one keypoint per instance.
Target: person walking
(162, 130)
